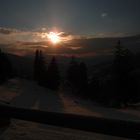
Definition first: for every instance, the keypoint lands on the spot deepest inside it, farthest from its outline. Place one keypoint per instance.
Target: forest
(117, 85)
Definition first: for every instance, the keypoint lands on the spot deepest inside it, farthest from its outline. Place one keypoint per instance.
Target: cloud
(32, 44)
(7, 31)
(63, 34)
(103, 15)
(8, 35)
(26, 42)
(113, 34)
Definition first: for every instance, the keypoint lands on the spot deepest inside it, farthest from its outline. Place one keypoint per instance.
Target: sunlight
(54, 37)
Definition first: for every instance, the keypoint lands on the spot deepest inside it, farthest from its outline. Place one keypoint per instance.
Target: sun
(54, 37)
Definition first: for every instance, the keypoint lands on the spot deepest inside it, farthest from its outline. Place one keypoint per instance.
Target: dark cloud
(64, 34)
(7, 31)
(33, 43)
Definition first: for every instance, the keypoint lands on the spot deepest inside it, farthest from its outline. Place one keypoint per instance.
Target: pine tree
(36, 65)
(72, 74)
(53, 75)
(83, 78)
(76, 77)
(94, 87)
(123, 60)
(5, 67)
(40, 70)
(42, 73)
(123, 64)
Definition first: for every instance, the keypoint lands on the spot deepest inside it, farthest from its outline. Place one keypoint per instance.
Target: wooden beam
(128, 129)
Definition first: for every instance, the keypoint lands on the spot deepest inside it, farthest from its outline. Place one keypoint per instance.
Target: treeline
(48, 77)
(6, 70)
(119, 85)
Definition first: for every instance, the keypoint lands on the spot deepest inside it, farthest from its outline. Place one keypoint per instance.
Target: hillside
(27, 94)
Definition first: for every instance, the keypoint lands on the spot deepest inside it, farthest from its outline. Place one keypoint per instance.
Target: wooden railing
(121, 128)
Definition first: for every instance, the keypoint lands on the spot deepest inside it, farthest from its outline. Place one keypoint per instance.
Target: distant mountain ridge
(84, 47)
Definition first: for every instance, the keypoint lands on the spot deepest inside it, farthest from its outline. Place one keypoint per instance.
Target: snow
(22, 130)
(27, 94)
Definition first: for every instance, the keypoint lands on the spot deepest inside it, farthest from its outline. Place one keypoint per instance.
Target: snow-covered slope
(27, 94)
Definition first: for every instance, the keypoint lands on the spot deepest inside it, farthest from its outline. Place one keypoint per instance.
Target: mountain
(100, 52)
(83, 47)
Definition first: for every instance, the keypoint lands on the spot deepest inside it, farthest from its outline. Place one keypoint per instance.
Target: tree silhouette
(94, 87)
(6, 70)
(76, 76)
(40, 70)
(123, 60)
(53, 75)
(72, 74)
(123, 64)
(36, 65)
(82, 78)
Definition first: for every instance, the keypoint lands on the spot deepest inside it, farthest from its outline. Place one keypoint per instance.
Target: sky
(25, 24)
(84, 17)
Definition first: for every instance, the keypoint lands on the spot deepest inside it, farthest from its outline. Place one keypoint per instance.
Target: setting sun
(54, 37)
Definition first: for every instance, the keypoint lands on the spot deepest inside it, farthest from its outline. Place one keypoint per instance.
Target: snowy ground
(28, 94)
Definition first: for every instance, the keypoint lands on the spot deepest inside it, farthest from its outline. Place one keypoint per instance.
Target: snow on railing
(122, 128)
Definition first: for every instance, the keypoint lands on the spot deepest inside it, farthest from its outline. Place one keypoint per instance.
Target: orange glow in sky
(54, 37)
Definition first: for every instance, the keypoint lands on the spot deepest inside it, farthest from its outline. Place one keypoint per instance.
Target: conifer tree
(53, 75)
(83, 78)
(40, 70)
(6, 70)
(72, 74)
(36, 65)
(123, 64)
